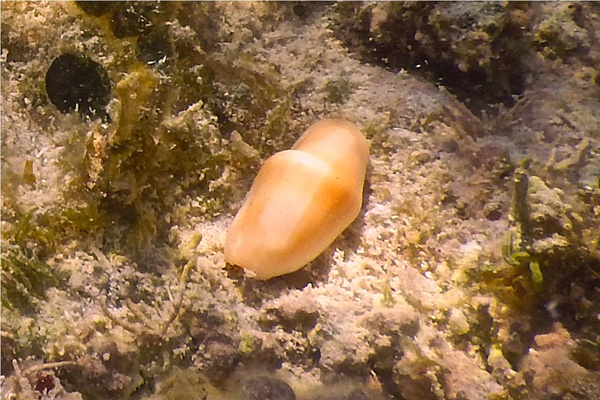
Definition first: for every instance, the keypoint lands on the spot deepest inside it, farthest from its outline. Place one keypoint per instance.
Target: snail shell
(300, 201)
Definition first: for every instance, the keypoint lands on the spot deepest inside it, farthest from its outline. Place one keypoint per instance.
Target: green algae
(543, 248)
(338, 91)
(25, 274)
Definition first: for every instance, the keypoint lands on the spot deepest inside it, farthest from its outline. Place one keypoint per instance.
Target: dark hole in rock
(492, 211)
(301, 10)
(44, 383)
(95, 8)
(154, 47)
(131, 20)
(78, 83)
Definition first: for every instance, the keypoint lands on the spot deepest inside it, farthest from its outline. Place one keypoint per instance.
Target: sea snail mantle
(300, 201)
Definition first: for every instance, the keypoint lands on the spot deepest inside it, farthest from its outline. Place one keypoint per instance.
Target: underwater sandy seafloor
(131, 133)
